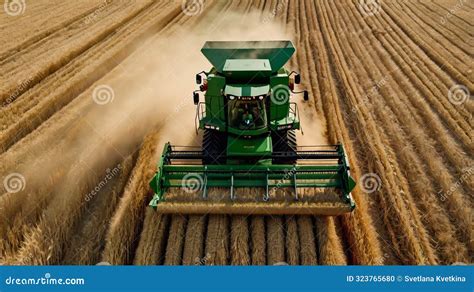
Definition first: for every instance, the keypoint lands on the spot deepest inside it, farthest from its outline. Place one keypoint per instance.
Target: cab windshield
(244, 114)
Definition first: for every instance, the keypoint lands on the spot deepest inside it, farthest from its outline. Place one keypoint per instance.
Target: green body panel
(276, 52)
(279, 107)
(214, 100)
(260, 146)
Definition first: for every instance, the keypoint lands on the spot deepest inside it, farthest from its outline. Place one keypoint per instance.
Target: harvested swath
(193, 253)
(174, 247)
(292, 241)
(415, 246)
(275, 240)
(329, 244)
(307, 241)
(359, 229)
(123, 234)
(86, 246)
(453, 43)
(152, 245)
(446, 30)
(240, 241)
(432, 49)
(258, 234)
(437, 222)
(217, 241)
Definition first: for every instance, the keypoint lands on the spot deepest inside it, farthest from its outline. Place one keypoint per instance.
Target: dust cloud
(150, 91)
(160, 77)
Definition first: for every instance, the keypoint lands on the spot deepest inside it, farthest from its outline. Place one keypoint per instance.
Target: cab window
(245, 114)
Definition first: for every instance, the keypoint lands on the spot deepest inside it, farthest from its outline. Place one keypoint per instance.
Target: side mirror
(305, 95)
(198, 79)
(297, 78)
(196, 98)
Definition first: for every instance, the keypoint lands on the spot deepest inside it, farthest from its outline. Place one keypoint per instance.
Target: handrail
(200, 113)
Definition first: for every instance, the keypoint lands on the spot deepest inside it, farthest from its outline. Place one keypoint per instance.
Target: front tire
(284, 142)
(214, 147)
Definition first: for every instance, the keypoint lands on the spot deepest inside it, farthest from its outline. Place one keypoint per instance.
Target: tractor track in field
(378, 83)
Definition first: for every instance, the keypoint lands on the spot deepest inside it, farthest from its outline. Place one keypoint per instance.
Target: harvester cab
(249, 161)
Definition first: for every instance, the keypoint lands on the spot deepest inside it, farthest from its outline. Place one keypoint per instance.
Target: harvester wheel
(284, 142)
(214, 146)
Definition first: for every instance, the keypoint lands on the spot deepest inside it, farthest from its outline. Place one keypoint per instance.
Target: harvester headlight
(231, 97)
(261, 97)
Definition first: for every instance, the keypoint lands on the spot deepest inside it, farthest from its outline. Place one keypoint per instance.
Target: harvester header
(249, 161)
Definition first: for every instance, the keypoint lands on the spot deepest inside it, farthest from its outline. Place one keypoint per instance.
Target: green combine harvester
(249, 162)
